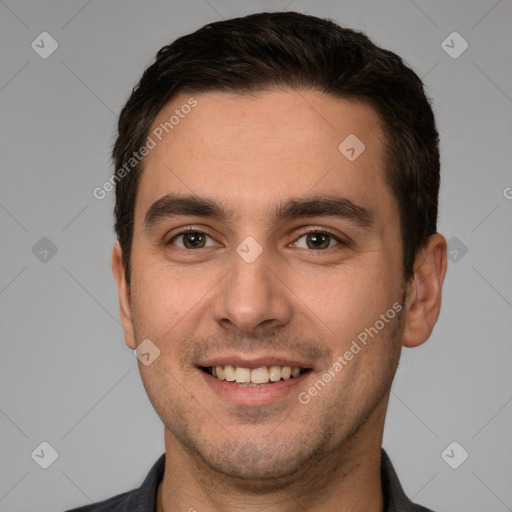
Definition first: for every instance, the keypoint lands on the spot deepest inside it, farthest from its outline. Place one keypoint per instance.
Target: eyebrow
(172, 205)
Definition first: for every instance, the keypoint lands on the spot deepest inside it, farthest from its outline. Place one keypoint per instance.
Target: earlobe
(423, 302)
(123, 293)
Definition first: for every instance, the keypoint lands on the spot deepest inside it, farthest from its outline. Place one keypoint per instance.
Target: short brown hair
(264, 51)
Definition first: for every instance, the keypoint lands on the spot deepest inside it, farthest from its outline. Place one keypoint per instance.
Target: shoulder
(395, 498)
(419, 508)
(115, 504)
(142, 499)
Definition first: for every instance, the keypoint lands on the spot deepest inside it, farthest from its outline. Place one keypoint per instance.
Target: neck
(347, 479)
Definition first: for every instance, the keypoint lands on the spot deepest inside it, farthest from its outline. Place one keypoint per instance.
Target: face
(289, 259)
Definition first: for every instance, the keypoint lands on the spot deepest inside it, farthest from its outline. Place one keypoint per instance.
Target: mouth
(254, 377)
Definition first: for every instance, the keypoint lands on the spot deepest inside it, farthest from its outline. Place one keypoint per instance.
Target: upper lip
(247, 361)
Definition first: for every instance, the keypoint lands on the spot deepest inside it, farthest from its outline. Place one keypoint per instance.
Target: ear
(424, 290)
(123, 292)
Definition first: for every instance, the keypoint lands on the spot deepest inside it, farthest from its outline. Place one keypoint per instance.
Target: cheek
(345, 301)
(163, 296)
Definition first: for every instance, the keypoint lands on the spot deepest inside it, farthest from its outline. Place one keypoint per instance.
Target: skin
(294, 300)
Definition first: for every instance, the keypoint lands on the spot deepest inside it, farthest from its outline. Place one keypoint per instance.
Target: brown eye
(193, 240)
(190, 240)
(319, 240)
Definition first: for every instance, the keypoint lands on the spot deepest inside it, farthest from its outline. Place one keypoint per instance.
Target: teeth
(242, 375)
(229, 372)
(262, 375)
(275, 373)
(286, 372)
(259, 375)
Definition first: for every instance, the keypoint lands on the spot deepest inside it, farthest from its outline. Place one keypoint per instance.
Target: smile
(253, 377)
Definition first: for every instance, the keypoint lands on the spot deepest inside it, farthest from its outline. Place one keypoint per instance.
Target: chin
(260, 466)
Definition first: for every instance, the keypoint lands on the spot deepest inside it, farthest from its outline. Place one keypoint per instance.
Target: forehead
(253, 150)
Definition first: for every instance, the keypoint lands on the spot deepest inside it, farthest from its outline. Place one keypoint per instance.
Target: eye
(319, 240)
(191, 240)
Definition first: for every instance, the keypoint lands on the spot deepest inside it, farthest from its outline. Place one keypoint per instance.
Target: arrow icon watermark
(146, 352)
(351, 147)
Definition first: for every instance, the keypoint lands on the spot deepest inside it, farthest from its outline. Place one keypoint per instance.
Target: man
(277, 182)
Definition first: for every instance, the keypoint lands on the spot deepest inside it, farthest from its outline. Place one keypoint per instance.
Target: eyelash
(302, 233)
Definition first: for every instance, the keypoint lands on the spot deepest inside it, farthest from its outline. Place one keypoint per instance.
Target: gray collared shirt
(143, 499)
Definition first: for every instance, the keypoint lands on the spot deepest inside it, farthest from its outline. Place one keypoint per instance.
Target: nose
(252, 295)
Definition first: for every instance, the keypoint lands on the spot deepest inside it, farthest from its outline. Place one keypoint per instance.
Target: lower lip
(253, 395)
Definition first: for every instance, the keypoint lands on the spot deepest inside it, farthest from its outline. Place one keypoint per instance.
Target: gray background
(66, 376)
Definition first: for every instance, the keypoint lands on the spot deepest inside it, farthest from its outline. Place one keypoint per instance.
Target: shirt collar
(395, 499)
